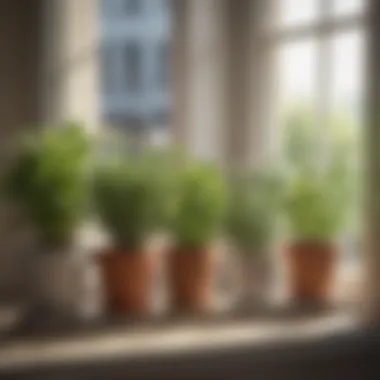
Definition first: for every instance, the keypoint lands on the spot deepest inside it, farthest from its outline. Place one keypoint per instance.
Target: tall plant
(134, 196)
(48, 180)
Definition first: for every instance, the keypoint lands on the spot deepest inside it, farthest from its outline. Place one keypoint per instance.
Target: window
(108, 80)
(132, 65)
(318, 48)
(347, 7)
(295, 12)
(318, 61)
(132, 7)
(297, 85)
(347, 53)
(162, 66)
(163, 4)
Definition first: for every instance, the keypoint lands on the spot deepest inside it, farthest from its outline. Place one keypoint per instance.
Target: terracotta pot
(128, 280)
(311, 267)
(191, 275)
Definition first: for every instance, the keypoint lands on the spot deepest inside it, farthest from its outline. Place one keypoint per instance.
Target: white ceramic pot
(67, 283)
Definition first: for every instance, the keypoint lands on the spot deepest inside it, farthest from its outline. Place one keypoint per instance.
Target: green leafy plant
(48, 181)
(134, 196)
(201, 205)
(254, 201)
(320, 192)
(300, 138)
(316, 206)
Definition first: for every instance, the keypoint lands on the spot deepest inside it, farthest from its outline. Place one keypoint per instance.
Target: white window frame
(322, 30)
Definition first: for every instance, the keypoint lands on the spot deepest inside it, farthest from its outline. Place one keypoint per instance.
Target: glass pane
(297, 73)
(296, 86)
(132, 67)
(347, 118)
(347, 76)
(135, 93)
(348, 7)
(293, 12)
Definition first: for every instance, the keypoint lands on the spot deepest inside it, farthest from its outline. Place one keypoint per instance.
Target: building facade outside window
(132, 7)
(163, 66)
(137, 64)
(132, 68)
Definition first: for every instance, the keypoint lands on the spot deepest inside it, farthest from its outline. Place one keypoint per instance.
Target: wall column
(371, 297)
(218, 80)
(19, 98)
(199, 77)
(71, 58)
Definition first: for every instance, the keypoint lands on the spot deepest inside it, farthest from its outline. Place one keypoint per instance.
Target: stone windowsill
(171, 341)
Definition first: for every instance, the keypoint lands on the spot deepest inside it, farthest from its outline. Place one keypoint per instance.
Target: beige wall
(19, 109)
(49, 72)
(239, 104)
(371, 298)
(19, 73)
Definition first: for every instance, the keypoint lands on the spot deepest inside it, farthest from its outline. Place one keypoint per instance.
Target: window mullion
(289, 34)
(324, 79)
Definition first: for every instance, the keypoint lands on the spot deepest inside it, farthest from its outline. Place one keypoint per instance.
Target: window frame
(322, 30)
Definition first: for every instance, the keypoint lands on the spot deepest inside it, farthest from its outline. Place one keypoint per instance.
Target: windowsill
(172, 341)
(50, 343)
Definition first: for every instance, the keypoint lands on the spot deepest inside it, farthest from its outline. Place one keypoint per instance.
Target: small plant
(321, 188)
(133, 194)
(198, 218)
(253, 208)
(317, 205)
(133, 197)
(319, 200)
(48, 181)
(201, 206)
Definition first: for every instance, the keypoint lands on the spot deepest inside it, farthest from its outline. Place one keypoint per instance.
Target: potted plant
(47, 181)
(317, 207)
(197, 221)
(251, 225)
(130, 196)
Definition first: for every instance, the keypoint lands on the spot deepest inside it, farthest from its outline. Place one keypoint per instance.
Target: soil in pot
(311, 266)
(191, 275)
(128, 280)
